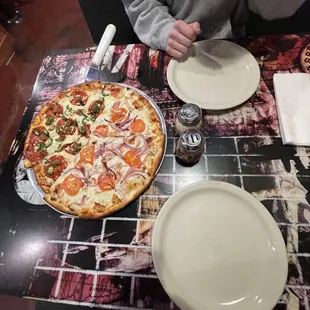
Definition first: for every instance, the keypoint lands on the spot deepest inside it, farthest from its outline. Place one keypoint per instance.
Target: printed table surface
(107, 263)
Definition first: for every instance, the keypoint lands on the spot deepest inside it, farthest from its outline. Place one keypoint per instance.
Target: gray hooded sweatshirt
(153, 20)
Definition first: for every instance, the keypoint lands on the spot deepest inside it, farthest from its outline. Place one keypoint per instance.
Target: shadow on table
(298, 23)
(53, 306)
(17, 303)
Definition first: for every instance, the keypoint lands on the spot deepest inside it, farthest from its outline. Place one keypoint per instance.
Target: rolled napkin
(275, 9)
(293, 103)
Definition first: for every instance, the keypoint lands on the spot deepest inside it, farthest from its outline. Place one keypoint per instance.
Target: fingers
(175, 35)
(185, 30)
(181, 37)
(177, 46)
(174, 53)
(196, 27)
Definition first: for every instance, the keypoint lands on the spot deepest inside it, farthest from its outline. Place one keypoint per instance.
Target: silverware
(94, 72)
(107, 76)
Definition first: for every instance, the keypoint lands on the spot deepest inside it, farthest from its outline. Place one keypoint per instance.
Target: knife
(94, 72)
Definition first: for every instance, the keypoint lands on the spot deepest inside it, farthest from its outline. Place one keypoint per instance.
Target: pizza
(94, 148)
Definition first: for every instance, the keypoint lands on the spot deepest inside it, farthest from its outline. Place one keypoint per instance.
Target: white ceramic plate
(216, 247)
(215, 75)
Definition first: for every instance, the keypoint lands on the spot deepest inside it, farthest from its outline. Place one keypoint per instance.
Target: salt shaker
(190, 147)
(189, 117)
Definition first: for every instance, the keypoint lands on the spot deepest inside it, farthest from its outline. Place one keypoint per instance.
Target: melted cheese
(95, 195)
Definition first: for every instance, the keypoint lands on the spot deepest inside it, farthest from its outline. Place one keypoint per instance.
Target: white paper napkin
(274, 9)
(293, 102)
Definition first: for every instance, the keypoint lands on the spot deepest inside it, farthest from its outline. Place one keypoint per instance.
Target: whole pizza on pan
(94, 148)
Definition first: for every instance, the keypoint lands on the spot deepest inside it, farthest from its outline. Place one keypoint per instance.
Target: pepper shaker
(189, 117)
(190, 147)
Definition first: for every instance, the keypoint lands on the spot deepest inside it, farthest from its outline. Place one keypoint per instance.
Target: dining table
(107, 263)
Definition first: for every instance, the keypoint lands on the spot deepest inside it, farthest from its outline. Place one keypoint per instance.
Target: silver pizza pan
(30, 172)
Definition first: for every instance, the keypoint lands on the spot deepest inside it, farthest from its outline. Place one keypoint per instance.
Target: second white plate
(216, 247)
(215, 75)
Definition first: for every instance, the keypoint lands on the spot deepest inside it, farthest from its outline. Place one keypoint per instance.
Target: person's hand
(181, 37)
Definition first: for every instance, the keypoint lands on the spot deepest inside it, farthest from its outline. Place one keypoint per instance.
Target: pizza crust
(96, 210)
(58, 205)
(27, 163)
(41, 177)
(37, 121)
(90, 86)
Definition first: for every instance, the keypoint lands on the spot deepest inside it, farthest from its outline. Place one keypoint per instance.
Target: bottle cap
(192, 140)
(190, 114)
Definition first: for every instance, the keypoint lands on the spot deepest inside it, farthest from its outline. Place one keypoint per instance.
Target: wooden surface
(6, 46)
(44, 27)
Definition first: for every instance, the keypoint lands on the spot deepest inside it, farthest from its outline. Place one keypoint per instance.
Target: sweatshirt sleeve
(151, 21)
(275, 9)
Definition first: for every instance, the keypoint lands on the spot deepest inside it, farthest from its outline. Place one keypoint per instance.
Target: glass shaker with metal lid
(190, 147)
(189, 117)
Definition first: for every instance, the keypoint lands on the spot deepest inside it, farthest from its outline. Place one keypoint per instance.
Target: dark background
(99, 14)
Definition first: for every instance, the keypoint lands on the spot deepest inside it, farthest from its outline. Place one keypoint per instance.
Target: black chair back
(100, 13)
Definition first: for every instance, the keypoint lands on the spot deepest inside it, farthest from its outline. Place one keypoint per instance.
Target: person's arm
(151, 21)
(275, 9)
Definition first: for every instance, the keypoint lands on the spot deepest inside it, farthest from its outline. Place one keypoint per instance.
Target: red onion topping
(116, 105)
(98, 134)
(126, 119)
(143, 149)
(141, 142)
(84, 198)
(115, 150)
(100, 150)
(89, 177)
(107, 155)
(146, 152)
(92, 182)
(77, 173)
(115, 127)
(110, 171)
(131, 172)
(126, 125)
(120, 194)
(127, 104)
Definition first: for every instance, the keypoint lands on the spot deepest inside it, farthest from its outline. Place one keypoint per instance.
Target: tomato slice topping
(106, 182)
(137, 126)
(72, 185)
(66, 127)
(56, 165)
(132, 159)
(119, 115)
(78, 97)
(102, 130)
(87, 155)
